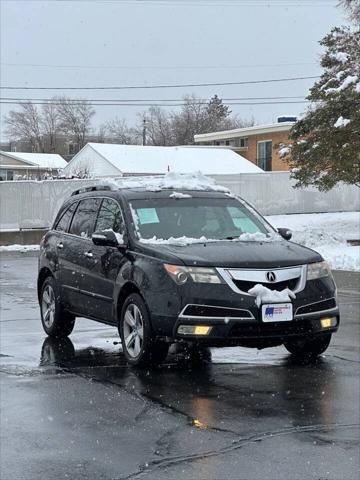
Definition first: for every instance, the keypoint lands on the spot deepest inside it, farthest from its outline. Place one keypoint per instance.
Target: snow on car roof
(195, 181)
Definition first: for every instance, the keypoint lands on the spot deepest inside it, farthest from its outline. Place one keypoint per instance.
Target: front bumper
(254, 332)
(236, 320)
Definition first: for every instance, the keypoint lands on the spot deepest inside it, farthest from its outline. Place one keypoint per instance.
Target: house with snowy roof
(29, 166)
(104, 160)
(258, 143)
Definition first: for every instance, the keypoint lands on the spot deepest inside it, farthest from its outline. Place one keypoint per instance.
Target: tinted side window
(109, 217)
(63, 223)
(83, 221)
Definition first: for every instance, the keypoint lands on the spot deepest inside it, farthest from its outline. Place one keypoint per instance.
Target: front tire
(55, 321)
(139, 346)
(308, 348)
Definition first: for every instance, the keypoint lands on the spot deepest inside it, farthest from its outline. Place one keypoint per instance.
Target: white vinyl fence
(273, 193)
(31, 204)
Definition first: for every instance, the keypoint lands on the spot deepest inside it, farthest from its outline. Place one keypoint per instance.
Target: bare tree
(117, 131)
(158, 127)
(50, 124)
(236, 121)
(26, 125)
(353, 9)
(75, 118)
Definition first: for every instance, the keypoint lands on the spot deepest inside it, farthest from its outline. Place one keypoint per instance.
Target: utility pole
(144, 131)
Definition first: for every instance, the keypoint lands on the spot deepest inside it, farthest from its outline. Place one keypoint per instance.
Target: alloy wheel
(133, 330)
(48, 306)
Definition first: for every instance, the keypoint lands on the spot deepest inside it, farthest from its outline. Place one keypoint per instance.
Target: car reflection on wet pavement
(73, 409)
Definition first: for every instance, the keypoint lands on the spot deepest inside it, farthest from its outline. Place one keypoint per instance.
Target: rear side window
(83, 221)
(110, 217)
(63, 223)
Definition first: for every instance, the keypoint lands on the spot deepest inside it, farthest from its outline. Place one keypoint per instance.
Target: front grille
(317, 307)
(218, 312)
(245, 285)
(276, 329)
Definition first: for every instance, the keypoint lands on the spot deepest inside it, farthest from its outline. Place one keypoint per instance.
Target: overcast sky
(138, 42)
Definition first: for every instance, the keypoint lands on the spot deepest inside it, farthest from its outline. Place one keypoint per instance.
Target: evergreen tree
(216, 112)
(325, 145)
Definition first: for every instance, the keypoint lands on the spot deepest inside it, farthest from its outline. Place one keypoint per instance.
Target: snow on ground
(326, 233)
(19, 248)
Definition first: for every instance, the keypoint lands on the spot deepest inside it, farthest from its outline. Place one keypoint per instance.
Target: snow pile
(327, 233)
(19, 248)
(258, 237)
(345, 83)
(179, 195)
(341, 122)
(119, 237)
(265, 295)
(341, 56)
(284, 151)
(172, 180)
(179, 241)
(182, 241)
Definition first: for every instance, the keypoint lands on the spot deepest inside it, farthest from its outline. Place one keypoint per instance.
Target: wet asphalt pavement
(76, 410)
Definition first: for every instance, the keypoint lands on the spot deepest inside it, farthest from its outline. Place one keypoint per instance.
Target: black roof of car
(132, 193)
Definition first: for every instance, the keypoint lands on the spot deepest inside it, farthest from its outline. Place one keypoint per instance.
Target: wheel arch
(43, 274)
(127, 289)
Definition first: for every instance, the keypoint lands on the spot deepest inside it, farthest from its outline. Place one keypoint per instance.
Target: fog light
(194, 330)
(202, 330)
(328, 322)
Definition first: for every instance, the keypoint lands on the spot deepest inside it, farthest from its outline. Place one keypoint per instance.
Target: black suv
(197, 267)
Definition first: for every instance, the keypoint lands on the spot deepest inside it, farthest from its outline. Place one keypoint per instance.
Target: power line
(225, 3)
(75, 100)
(184, 85)
(156, 67)
(154, 104)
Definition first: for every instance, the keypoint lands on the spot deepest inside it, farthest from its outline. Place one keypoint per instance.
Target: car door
(103, 263)
(67, 277)
(79, 253)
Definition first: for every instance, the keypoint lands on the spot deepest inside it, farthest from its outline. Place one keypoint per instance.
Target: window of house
(83, 221)
(63, 223)
(10, 175)
(243, 142)
(109, 217)
(264, 155)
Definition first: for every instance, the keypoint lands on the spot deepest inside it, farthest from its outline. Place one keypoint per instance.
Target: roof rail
(94, 188)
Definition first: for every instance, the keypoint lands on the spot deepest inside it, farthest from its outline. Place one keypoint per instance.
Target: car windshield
(212, 218)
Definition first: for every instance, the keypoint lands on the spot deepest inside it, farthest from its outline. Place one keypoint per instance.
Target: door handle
(60, 245)
(88, 254)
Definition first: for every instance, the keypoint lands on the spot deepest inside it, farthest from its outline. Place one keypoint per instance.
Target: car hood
(234, 254)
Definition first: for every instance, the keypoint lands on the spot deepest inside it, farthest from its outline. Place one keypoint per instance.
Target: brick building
(257, 144)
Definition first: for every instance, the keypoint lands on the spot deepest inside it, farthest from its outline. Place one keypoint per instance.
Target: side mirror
(285, 233)
(107, 238)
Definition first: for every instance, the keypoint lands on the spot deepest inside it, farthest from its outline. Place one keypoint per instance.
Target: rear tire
(55, 321)
(139, 346)
(308, 348)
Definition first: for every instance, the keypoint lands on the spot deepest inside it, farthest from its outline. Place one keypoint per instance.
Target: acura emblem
(270, 276)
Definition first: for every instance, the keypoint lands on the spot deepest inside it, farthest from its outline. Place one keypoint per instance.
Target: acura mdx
(197, 267)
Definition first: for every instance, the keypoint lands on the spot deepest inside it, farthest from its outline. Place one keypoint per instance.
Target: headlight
(198, 274)
(318, 270)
